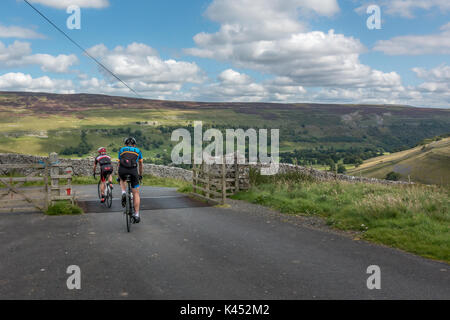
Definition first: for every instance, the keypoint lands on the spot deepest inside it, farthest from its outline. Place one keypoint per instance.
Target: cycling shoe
(124, 200)
(136, 218)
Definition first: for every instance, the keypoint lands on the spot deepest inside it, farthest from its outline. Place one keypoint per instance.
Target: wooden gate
(215, 182)
(15, 197)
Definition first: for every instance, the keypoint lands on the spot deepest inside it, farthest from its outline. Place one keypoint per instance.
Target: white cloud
(63, 4)
(140, 62)
(19, 32)
(437, 82)
(232, 77)
(254, 11)
(440, 73)
(58, 64)
(25, 82)
(417, 44)
(163, 91)
(267, 36)
(232, 85)
(249, 19)
(434, 92)
(18, 54)
(143, 70)
(244, 22)
(406, 8)
(361, 95)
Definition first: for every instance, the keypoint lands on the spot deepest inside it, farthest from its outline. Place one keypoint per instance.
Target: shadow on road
(154, 203)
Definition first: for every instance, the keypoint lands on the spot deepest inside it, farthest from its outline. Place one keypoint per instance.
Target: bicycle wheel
(128, 212)
(109, 196)
(98, 189)
(131, 206)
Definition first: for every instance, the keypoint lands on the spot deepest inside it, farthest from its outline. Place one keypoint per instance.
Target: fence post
(54, 171)
(46, 190)
(224, 182)
(69, 184)
(236, 174)
(194, 177)
(208, 175)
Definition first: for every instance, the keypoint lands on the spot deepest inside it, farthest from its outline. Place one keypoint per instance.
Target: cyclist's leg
(136, 199)
(110, 181)
(135, 190)
(123, 183)
(123, 186)
(102, 184)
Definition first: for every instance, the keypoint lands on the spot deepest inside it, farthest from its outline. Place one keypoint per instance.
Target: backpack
(128, 160)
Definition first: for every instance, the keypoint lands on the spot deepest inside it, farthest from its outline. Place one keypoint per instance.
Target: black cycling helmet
(130, 140)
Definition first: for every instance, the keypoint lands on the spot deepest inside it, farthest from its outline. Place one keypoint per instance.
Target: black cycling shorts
(133, 172)
(105, 172)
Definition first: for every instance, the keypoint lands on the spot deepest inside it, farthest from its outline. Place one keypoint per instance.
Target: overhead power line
(82, 49)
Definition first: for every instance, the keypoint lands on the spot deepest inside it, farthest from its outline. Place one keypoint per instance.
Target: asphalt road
(184, 250)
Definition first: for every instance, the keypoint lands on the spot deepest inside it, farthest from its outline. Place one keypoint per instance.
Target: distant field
(39, 123)
(429, 164)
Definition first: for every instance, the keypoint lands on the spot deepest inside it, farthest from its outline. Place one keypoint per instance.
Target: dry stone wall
(83, 167)
(328, 176)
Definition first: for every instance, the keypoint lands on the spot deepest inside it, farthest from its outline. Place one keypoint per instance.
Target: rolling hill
(76, 124)
(429, 164)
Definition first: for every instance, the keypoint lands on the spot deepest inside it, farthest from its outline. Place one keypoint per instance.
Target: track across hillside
(429, 164)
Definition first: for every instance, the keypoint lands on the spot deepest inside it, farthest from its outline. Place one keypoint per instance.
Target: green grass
(150, 180)
(63, 208)
(82, 180)
(413, 218)
(187, 188)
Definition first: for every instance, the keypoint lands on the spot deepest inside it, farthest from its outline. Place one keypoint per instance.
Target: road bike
(129, 204)
(108, 193)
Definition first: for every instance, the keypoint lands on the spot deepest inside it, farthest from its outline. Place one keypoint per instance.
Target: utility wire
(82, 49)
(87, 53)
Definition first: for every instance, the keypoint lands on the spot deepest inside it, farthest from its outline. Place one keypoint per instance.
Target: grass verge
(63, 208)
(413, 218)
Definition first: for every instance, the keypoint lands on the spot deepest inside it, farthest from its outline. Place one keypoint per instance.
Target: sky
(285, 51)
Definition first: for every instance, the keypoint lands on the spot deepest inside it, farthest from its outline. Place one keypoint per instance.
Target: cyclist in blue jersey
(130, 159)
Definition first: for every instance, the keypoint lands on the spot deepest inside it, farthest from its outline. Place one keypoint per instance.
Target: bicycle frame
(129, 207)
(107, 192)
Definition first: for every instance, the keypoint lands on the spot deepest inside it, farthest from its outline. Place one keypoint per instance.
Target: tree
(332, 165)
(393, 176)
(341, 168)
(358, 162)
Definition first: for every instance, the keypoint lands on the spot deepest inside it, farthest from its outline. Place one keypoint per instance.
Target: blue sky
(233, 50)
